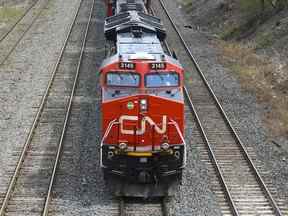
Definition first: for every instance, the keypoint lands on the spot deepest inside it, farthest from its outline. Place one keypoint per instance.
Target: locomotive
(142, 98)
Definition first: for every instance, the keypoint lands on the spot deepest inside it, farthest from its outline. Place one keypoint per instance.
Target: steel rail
(121, 200)
(36, 120)
(211, 152)
(67, 116)
(22, 36)
(243, 148)
(18, 21)
(212, 155)
(165, 42)
(215, 163)
(121, 206)
(163, 206)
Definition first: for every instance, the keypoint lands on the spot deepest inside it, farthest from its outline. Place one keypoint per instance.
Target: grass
(49, 9)
(251, 16)
(257, 74)
(230, 31)
(238, 30)
(187, 4)
(264, 40)
(8, 14)
(250, 6)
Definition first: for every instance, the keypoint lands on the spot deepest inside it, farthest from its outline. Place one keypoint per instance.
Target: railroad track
(3, 36)
(32, 181)
(10, 40)
(140, 207)
(240, 189)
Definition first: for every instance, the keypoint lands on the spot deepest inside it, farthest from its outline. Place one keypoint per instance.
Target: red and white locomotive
(142, 98)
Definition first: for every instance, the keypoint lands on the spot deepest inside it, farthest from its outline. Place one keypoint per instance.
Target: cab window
(162, 79)
(123, 79)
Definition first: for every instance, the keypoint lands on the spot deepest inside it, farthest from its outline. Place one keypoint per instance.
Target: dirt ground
(253, 44)
(245, 61)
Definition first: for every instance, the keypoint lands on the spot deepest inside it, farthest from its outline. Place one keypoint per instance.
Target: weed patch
(187, 4)
(8, 14)
(264, 40)
(258, 74)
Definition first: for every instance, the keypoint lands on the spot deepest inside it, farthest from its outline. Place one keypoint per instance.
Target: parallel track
(3, 36)
(25, 27)
(60, 145)
(243, 190)
(29, 187)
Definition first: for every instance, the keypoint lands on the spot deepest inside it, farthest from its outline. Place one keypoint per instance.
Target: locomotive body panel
(142, 98)
(136, 127)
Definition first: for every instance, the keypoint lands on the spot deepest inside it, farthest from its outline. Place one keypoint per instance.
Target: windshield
(162, 79)
(123, 79)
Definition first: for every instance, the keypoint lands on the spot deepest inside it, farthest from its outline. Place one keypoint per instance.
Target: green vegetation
(250, 6)
(239, 29)
(257, 74)
(187, 4)
(230, 31)
(48, 10)
(8, 14)
(264, 40)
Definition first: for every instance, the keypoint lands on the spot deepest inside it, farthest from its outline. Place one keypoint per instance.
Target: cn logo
(142, 130)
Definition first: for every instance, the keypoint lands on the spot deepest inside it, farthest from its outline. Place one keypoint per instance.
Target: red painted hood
(145, 129)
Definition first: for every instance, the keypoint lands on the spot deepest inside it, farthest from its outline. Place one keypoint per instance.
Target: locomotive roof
(129, 5)
(129, 44)
(127, 21)
(137, 34)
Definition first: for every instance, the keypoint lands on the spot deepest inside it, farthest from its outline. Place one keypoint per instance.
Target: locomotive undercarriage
(143, 167)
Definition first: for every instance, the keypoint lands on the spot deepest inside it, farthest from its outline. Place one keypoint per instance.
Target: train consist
(142, 98)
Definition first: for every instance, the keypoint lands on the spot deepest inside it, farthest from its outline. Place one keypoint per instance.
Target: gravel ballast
(12, 11)
(240, 105)
(80, 188)
(25, 75)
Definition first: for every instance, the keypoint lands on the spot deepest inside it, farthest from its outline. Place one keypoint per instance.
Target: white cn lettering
(142, 130)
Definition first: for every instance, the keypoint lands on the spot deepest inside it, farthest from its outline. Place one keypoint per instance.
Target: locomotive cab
(142, 98)
(143, 120)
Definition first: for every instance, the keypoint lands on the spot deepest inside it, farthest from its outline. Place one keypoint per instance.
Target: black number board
(158, 66)
(127, 65)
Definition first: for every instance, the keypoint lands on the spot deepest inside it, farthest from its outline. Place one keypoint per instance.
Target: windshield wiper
(134, 77)
(160, 75)
(120, 75)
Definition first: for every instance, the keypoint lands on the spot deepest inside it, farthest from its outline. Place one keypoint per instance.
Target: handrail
(183, 140)
(115, 122)
(111, 124)
(177, 129)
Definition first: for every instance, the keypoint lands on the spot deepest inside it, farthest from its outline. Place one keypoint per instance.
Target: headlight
(177, 154)
(143, 105)
(110, 155)
(123, 146)
(165, 146)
